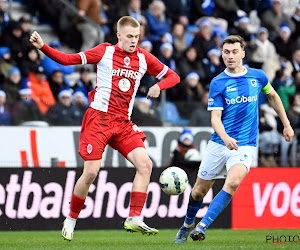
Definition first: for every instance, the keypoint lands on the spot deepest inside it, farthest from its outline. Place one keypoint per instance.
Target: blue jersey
(237, 95)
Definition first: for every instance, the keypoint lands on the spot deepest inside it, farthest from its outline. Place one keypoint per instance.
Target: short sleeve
(215, 101)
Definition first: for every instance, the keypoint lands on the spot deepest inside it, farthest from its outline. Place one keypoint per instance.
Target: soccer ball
(192, 155)
(173, 181)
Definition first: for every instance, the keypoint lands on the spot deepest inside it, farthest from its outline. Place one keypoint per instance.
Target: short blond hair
(127, 21)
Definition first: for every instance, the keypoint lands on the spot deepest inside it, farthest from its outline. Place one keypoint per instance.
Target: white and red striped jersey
(118, 74)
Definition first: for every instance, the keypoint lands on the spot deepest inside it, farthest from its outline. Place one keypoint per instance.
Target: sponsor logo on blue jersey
(241, 99)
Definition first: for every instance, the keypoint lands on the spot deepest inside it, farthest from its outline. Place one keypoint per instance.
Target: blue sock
(192, 210)
(221, 201)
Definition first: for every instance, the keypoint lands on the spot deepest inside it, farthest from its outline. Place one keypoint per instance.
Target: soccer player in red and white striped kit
(120, 68)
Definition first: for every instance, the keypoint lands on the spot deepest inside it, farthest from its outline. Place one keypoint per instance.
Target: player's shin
(218, 204)
(137, 201)
(76, 206)
(193, 208)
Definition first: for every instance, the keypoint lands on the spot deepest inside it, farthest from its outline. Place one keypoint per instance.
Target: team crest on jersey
(253, 83)
(127, 61)
(89, 148)
(124, 84)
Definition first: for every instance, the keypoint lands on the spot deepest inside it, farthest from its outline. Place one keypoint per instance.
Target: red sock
(76, 206)
(137, 201)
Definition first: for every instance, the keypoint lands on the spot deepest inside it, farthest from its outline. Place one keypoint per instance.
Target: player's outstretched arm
(36, 40)
(276, 104)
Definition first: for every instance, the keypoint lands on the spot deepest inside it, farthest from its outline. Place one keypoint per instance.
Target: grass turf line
(120, 239)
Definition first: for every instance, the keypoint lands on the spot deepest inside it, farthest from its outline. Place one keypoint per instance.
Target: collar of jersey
(236, 74)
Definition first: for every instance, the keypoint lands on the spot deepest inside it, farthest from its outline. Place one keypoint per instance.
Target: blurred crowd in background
(186, 35)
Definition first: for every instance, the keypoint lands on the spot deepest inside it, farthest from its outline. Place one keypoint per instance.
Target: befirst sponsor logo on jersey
(241, 99)
(128, 73)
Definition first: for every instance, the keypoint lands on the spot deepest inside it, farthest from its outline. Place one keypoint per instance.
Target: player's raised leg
(90, 171)
(199, 190)
(234, 178)
(140, 159)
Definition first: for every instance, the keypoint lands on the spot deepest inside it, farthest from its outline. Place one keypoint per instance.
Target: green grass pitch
(120, 239)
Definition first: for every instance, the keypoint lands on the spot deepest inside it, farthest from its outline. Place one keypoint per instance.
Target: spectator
(6, 63)
(25, 21)
(296, 82)
(284, 89)
(4, 17)
(188, 63)
(296, 20)
(185, 143)
(274, 18)
(134, 10)
(91, 34)
(264, 56)
(30, 61)
(64, 113)
(26, 108)
(12, 85)
(191, 90)
(148, 80)
(158, 25)
(289, 7)
(203, 41)
(212, 65)
(296, 59)
(294, 113)
(146, 45)
(283, 43)
(80, 101)
(144, 114)
(14, 40)
(4, 111)
(41, 91)
(197, 11)
(269, 140)
(84, 83)
(175, 12)
(241, 28)
(166, 51)
(57, 83)
(181, 38)
(228, 10)
(49, 65)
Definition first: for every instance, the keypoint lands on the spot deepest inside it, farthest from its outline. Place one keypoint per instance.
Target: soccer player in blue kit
(233, 101)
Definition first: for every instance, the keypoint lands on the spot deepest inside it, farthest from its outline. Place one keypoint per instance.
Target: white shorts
(218, 159)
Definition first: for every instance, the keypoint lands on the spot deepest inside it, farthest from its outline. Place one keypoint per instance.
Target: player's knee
(233, 185)
(198, 194)
(90, 175)
(146, 167)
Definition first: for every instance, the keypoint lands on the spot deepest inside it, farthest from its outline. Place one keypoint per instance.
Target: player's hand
(231, 143)
(154, 91)
(36, 40)
(288, 133)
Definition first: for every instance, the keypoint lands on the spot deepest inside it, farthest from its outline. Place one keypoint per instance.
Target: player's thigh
(140, 159)
(213, 163)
